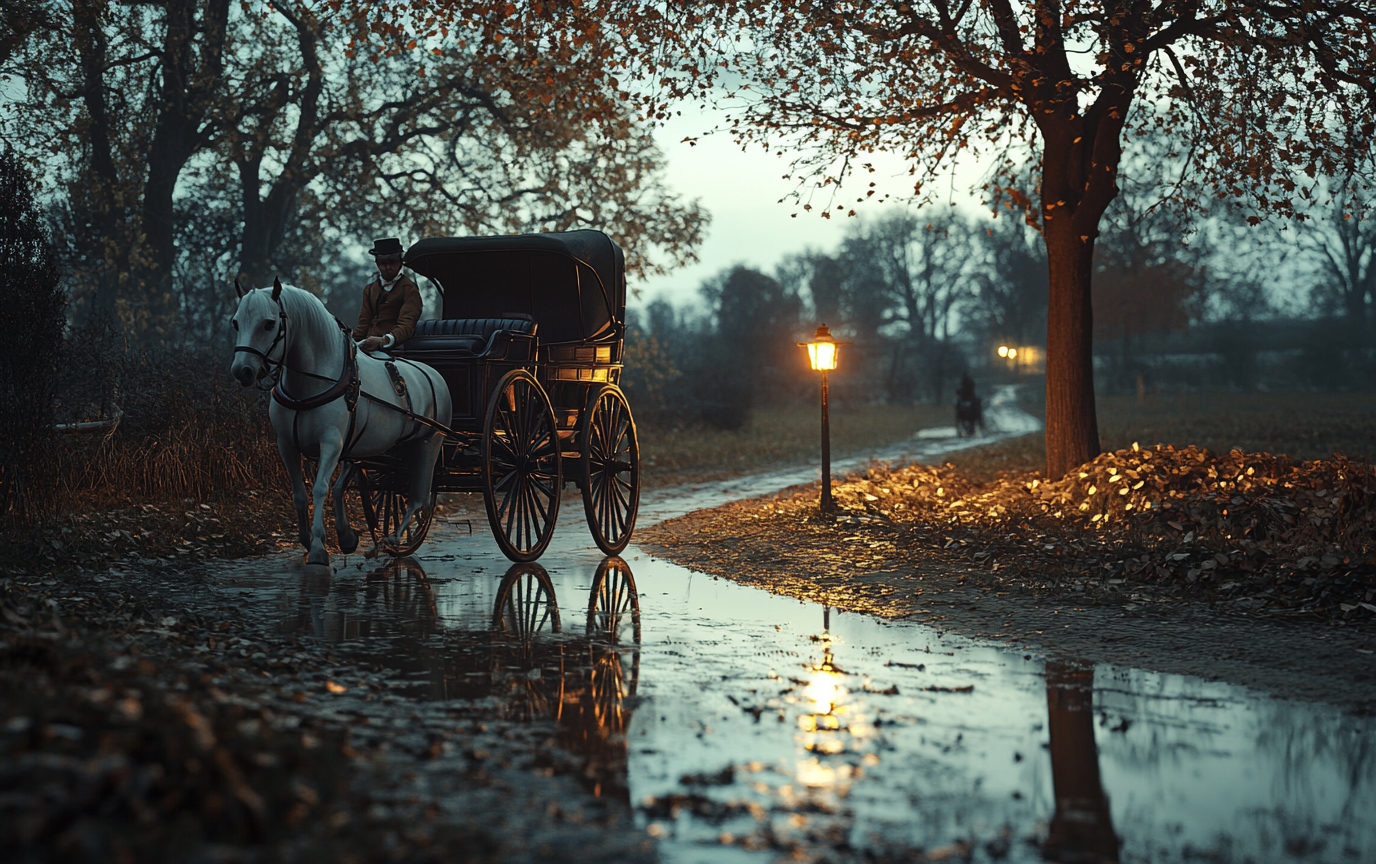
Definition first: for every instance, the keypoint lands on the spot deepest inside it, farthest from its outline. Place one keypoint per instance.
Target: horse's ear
(276, 288)
(239, 289)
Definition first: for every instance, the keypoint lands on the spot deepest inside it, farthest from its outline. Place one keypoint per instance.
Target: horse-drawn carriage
(529, 344)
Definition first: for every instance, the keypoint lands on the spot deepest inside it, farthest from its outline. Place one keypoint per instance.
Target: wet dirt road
(729, 724)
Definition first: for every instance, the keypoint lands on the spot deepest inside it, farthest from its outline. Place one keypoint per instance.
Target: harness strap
(347, 386)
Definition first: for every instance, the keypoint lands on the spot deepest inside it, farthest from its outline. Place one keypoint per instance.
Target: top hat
(386, 246)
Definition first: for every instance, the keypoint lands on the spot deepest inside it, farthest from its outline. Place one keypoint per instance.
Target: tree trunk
(107, 245)
(177, 138)
(268, 217)
(1072, 426)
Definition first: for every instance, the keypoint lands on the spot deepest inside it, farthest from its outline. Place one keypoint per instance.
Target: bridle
(272, 368)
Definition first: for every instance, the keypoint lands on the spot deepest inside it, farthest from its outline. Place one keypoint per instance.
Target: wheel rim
(526, 604)
(389, 508)
(613, 615)
(383, 510)
(611, 465)
(523, 476)
(614, 602)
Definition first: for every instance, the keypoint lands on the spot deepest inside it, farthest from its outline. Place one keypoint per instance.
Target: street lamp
(821, 356)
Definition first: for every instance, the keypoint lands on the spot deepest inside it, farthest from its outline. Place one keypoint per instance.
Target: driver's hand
(372, 343)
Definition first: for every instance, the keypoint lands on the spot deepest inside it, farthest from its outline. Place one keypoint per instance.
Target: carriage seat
(463, 336)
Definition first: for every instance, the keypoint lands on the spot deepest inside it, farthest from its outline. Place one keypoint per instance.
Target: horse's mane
(310, 317)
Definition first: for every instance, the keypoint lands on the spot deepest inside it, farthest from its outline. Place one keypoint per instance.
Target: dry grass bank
(779, 435)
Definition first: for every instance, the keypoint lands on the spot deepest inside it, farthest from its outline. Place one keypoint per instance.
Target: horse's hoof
(318, 555)
(348, 542)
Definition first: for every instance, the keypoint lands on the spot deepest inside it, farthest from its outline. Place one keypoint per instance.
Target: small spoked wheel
(384, 510)
(611, 469)
(522, 474)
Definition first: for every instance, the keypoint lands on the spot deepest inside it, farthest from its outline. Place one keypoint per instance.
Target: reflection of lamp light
(824, 689)
(1012, 352)
(822, 352)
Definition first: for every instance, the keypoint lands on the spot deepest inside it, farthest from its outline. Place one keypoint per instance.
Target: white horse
(286, 333)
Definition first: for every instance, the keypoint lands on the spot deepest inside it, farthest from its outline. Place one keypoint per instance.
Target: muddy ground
(861, 562)
(133, 731)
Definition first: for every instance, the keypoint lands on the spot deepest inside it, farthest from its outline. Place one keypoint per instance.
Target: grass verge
(774, 436)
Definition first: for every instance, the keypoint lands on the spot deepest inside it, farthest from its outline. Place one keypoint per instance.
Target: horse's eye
(267, 325)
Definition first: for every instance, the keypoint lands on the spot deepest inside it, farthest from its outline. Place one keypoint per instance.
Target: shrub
(34, 303)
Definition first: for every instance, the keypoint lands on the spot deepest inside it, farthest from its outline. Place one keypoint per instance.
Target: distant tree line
(926, 295)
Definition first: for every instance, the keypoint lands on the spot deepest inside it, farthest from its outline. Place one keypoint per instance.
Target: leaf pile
(1259, 531)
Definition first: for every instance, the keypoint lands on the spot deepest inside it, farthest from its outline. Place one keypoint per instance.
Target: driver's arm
(365, 318)
(407, 318)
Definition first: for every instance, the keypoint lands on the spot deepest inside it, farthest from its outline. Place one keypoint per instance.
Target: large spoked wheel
(522, 474)
(611, 469)
(383, 510)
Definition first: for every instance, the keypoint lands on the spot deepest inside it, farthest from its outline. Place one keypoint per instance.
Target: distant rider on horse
(391, 303)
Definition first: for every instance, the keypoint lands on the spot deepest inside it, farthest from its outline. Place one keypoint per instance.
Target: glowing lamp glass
(1003, 350)
(821, 350)
(821, 355)
(1012, 352)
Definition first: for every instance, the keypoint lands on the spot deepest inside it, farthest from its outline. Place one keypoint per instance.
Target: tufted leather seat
(462, 336)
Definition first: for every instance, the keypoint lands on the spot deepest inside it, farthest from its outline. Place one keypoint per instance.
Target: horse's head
(260, 325)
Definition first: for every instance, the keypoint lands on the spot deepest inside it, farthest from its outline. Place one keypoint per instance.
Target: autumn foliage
(1265, 100)
(1253, 528)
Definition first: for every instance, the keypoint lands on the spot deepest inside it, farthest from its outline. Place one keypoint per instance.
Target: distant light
(1003, 350)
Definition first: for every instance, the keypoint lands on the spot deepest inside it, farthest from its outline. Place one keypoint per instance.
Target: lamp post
(821, 356)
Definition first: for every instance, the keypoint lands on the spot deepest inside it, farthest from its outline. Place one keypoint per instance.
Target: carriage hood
(572, 283)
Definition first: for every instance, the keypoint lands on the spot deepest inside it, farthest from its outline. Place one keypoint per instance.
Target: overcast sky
(741, 191)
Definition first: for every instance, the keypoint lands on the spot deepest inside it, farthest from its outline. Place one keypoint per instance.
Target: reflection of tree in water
(1081, 830)
(1311, 771)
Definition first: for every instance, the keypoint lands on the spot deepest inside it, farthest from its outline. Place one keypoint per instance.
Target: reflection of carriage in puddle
(581, 682)
(529, 662)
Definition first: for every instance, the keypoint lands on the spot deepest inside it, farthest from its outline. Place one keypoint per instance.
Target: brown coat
(395, 312)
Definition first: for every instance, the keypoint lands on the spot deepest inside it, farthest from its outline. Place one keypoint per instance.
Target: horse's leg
(292, 460)
(419, 460)
(348, 538)
(331, 447)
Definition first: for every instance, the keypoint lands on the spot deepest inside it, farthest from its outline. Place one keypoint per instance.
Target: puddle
(737, 725)
(740, 726)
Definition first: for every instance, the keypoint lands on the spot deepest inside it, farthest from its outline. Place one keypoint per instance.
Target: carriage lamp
(1007, 351)
(822, 350)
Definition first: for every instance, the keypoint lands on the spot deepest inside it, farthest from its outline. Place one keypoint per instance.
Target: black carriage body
(551, 304)
(530, 344)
